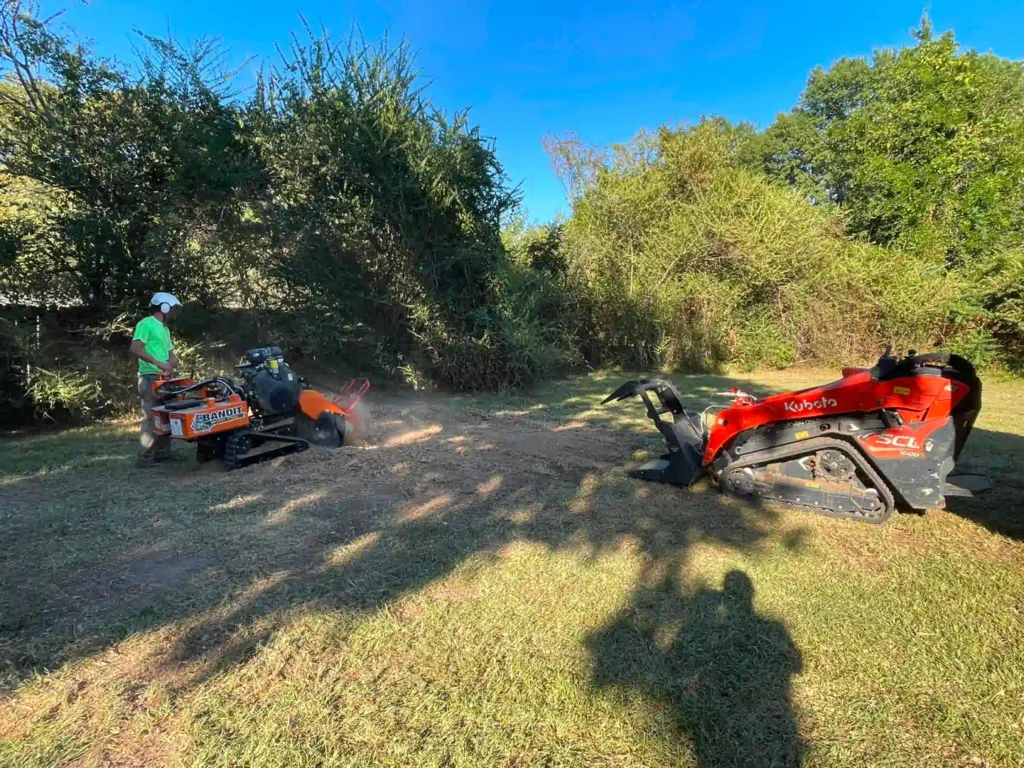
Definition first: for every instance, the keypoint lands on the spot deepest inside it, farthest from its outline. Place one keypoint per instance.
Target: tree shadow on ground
(537, 483)
(225, 561)
(379, 561)
(722, 671)
(99, 552)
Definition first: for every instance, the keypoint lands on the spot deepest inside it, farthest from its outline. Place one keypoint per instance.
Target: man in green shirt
(151, 344)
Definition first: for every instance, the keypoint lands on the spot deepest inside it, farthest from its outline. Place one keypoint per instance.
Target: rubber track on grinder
(239, 443)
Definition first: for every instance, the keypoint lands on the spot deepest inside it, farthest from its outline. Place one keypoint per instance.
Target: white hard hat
(160, 299)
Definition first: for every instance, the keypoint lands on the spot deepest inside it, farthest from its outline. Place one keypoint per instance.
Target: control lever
(892, 419)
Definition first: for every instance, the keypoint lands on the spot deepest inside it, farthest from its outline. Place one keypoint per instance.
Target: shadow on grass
(228, 560)
(375, 561)
(722, 671)
(999, 455)
(552, 501)
(97, 552)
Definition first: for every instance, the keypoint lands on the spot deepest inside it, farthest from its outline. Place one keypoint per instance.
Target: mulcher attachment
(682, 465)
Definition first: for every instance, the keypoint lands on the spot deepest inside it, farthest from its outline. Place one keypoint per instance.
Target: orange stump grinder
(268, 408)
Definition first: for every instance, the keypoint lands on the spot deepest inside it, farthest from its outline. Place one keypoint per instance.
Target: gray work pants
(151, 446)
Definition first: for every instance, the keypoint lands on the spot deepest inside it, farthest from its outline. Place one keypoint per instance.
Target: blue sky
(604, 70)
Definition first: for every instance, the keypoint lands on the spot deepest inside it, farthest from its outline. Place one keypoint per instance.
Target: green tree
(685, 258)
(922, 147)
(145, 168)
(383, 210)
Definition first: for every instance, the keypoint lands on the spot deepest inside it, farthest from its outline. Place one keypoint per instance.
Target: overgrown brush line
(352, 221)
(384, 207)
(335, 190)
(885, 208)
(922, 150)
(690, 261)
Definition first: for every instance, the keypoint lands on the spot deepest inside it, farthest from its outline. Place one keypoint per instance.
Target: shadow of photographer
(722, 670)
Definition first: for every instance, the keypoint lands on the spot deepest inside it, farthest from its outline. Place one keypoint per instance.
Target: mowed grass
(482, 584)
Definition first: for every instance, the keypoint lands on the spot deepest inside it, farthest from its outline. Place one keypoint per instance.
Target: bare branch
(17, 44)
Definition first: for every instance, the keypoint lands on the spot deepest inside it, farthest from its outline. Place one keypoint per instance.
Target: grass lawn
(482, 584)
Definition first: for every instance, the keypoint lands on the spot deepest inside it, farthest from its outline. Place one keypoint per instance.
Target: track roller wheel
(236, 445)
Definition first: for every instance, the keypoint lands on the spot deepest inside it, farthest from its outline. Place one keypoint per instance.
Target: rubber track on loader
(805, 447)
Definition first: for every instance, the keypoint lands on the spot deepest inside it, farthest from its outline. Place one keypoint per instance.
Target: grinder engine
(269, 385)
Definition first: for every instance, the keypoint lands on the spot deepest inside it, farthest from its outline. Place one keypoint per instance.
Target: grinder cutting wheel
(268, 411)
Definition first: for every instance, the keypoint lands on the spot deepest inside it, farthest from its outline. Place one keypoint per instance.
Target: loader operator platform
(151, 344)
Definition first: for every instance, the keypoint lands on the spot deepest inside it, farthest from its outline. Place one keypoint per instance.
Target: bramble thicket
(333, 209)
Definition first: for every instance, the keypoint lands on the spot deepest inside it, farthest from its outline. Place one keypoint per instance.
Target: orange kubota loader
(265, 411)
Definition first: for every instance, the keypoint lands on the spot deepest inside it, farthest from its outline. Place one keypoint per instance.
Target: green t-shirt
(157, 340)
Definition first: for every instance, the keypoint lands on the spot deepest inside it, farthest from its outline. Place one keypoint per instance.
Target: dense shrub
(114, 182)
(336, 193)
(887, 207)
(382, 210)
(688, 260)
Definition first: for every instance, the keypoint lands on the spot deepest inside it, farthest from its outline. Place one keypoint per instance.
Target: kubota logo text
(799, 406)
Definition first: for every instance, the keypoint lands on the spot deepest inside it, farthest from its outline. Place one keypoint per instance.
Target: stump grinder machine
(265, 412)
(876, 440)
